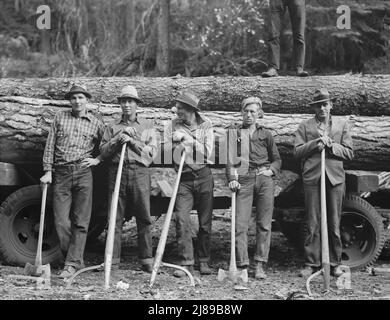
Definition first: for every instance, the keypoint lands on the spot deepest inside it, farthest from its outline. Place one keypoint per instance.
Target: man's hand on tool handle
(234, 185)
(124, 138)
(324, 141)
(46, 178)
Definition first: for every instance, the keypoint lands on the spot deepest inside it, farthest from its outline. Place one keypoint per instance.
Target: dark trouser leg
(297, 13)
(183, 207)
(116, 255)
(312, 240)
(82, 206)
(205, 213)
(334, 202)
(139, 184)
(264, 191)
(244, 200)
(62, 201)
(276, 11)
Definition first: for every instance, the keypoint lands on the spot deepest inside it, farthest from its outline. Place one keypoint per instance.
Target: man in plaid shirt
(73, 139)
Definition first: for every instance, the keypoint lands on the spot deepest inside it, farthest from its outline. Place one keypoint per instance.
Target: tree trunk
(359, 95)
(24, 124)
(162, 53)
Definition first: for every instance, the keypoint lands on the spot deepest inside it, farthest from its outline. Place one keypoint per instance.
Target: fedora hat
(129, 92)
(77, 89)
(321, 95)
(188, 98)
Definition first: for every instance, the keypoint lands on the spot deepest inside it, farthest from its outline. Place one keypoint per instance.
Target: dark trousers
(134, 200)
(262, 188)
(72, 205)
(194, 188)
(297, 11)
(312, 241)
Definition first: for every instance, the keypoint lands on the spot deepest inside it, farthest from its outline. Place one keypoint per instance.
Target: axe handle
(112, 222)
(233, 266)
(38, 258)
(324, 226)
(167, 222)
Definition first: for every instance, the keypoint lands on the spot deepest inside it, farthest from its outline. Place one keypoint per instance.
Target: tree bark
(162, 53)
(359, 95)
(24, 124)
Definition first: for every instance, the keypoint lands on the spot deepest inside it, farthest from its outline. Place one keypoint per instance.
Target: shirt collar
(122, 121)
(85, 115)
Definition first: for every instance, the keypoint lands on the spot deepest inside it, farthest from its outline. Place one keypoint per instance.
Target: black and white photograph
(195, 156)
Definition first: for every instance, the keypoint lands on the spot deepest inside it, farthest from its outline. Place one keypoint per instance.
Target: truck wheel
(19, 227)
(362, 233)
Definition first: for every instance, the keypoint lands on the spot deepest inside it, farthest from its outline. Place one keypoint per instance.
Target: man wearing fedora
(134, 194)
(297, 11)
(194, 133)
(71, 145)
(253, 159)
(323, 131)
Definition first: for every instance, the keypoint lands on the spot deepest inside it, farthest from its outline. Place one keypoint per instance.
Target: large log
(24, 124)
(360, 95)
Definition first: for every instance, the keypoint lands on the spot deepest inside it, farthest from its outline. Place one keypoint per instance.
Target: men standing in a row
(69, 151)
(313, 135)
(253, 159)
(297, 11)
(134, 193)
(192, 132)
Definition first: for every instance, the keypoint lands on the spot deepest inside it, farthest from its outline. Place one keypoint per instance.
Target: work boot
(204, 268)
(271, 72)
(180, 274)
(307, 271)
(336, 271)
(260, 274)
(67, 272)
(148, 267)
(302, 73)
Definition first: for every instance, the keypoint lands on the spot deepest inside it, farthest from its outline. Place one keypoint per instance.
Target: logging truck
(28, 106)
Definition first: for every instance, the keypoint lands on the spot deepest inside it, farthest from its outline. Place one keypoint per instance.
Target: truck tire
(362, 232)
(19, 225)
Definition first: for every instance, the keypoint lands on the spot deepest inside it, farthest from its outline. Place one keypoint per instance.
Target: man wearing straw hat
(313, 135)
(72, 142)
(134, 193)
(194, 133)
(253, 159)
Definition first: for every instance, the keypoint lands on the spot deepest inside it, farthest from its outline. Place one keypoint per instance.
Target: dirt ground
(282, 283)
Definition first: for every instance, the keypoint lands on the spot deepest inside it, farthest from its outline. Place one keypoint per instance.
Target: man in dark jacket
(313, 135)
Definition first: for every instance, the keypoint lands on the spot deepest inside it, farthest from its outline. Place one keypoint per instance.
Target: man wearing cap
(72, 142)
(134, 193)
(194, 133)
(313, 135)
(297, 11)
(253, 159)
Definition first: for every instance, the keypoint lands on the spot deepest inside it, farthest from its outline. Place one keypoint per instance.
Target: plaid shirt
(71, 139)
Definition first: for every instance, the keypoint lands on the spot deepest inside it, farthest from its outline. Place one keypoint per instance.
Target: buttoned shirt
(248, 151)
(72, 139)
(322, 128)
(142, 149)
(200, 154)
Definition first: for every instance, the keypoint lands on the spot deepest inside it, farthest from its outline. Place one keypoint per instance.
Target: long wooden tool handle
(38, 258)
(233, 266)
(164, 232)
(324, 226)
(112, 222)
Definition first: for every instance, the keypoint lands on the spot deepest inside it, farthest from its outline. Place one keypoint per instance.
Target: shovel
(39, 270)
(233, 274)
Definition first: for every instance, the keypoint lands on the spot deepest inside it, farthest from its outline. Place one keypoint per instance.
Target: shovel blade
(221, 275)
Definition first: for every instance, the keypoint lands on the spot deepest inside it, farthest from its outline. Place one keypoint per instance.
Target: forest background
(187, 37)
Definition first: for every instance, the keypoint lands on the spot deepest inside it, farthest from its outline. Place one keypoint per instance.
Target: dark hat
(77, 89)
(321, 95)
(189, 98)
(129, 92)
